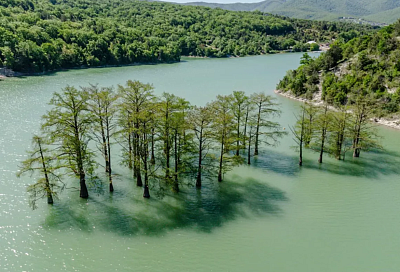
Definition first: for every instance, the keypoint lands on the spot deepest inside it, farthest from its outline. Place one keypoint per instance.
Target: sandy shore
(393, 123)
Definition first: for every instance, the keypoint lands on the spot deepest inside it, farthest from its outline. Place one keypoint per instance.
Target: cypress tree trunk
(309, 133)
(342, 128)
(322, 145)
(301, 140)
(153, 158)
(301, 153)
(198, 180)
(105, 147)
(167, 146)
(139, 181)
(238, 134)
(134, 154)
(146, 192)
(130, 151)
(245, 128)
(356, 152)
(176, 159)
(137, 153)
(356, 140)
(109, 157)
(48, 188)
(221, 158)
(84, 191)
(249, 150)
(340, 145)
(323, 136)
(257, 130)
(79, 159)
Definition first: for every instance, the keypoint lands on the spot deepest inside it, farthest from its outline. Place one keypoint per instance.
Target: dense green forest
(367, 66)
(384, 11)
(44, 35)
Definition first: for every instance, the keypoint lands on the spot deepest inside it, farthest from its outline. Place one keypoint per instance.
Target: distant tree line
(41, 35)
(163, 140)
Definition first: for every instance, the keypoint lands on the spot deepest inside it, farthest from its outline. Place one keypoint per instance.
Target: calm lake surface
(273, 216)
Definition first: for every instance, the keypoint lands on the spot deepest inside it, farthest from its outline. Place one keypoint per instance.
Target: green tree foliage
(68, 125)
(103, 105)
(137, 101)
(41, 35)
(200, 121)
(336, 131)
(299, 132)
(40, 161)
(224, 127)
(266, 130)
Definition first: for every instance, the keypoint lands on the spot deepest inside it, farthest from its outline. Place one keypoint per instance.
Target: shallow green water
(339, 216)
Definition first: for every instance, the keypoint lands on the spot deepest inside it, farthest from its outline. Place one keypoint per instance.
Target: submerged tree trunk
(139, 181)
(109, 157)
(130, 164)
(105, 147)
(301, 154)
(339, 145)
(84, 191)
(176, 159)
(356, 141)
(167, 146)
(301, 140)
(221, 159)
(146, 192)
(309, 133)
(79, 159)
(198, 180)
(356, 152)
(249, 150)
(245, 128)
(324, 131)
(321, 152)
(136, 162)
(153, 158)
(48, 188)
(257, 131)
(238, 134)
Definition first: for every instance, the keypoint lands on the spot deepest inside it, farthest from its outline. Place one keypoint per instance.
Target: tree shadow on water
(277, 162)
(370, 165)
(202, 210)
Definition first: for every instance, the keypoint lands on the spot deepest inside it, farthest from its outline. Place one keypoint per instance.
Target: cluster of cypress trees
(163, 139)
(335, 131)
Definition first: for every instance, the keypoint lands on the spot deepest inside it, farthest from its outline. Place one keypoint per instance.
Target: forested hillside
(385, 11)
(43, 35)
(367, 67)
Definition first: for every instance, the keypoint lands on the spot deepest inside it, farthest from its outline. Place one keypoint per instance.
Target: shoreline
(12, 74)
(395, 123)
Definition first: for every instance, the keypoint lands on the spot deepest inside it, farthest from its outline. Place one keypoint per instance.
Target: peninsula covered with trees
(352, 84)
(366, 67)
(45, 35)
(163, 140)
